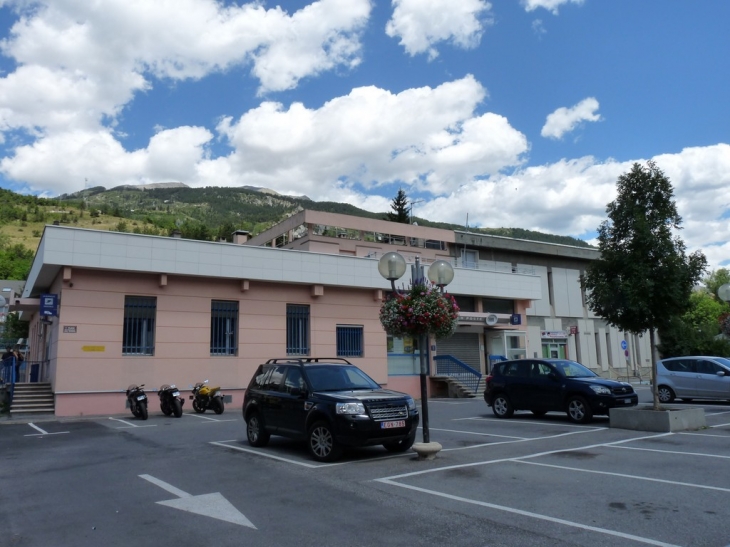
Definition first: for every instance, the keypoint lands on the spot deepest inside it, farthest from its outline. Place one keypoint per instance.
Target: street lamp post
(392, 266)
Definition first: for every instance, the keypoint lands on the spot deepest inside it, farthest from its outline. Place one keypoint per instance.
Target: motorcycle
(205, 397)
(137, 400)
(170, 400)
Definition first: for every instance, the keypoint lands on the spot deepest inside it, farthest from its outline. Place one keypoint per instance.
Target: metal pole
(422, 343)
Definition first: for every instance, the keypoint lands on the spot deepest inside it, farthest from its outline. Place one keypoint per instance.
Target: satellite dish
(724, 292)
(492, 319)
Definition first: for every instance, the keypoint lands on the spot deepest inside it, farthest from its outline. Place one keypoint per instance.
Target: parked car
(693, 377)
(330, 403)
(544, 385)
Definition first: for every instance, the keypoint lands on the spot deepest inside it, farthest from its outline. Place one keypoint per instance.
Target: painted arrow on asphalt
(208, 505)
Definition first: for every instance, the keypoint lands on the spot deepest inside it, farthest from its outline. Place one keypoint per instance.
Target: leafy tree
(15, 261)
(716, 279)
(400, 208)
(643, 278)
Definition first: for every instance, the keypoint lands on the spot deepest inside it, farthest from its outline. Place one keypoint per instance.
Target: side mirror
(553, 376)
(721, 373)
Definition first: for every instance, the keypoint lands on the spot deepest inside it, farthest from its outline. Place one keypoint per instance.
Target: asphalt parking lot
(523, 481)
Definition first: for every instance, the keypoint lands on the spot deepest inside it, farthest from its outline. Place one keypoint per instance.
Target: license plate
(176, 394)
(391, 425)
(627, 401)
(140, 397)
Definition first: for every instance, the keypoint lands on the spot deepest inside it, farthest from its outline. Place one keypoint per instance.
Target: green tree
(400, 208)
(15, 261)
(716, 279)
(643, 278)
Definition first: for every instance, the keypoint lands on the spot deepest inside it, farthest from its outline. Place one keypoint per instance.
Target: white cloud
(81, 61)
(570, 197)
(420, 24)
(564, 120)
(550, 5)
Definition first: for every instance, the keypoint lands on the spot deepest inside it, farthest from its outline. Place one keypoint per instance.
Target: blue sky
(511, 113)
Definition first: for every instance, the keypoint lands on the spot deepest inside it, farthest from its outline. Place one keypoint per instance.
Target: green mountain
(217, 209)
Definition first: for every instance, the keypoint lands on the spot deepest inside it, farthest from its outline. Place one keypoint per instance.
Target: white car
(693, 377)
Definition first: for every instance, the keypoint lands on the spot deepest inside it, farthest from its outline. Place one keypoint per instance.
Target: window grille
(349, 341)
(139, 325)
(297, 329)
(223, 327)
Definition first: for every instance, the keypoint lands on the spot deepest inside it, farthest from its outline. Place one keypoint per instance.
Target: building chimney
(240, 237)
(177, 234)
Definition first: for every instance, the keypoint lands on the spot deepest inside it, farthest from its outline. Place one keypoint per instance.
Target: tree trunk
(652, 349)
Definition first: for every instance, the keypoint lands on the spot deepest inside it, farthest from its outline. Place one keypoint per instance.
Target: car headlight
(601, 390)
(411, 404)
(350, 408)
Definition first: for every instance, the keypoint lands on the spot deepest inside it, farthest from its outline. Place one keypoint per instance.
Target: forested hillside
(210, 213)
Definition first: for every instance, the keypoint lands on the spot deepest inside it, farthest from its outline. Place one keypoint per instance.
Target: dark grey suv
(544, 385)
(330, 403)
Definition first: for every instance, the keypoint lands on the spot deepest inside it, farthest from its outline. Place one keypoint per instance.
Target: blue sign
(515, 319)
(624, 345)
(49, 305)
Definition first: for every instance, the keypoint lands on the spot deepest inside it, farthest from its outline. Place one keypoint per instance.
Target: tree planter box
(645, 418)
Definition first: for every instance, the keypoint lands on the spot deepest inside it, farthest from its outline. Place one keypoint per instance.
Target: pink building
(160, 310)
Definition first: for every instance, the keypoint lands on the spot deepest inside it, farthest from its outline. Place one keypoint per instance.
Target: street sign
(49, 305)
(624, 345)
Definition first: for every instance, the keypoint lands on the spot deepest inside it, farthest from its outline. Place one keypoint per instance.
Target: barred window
(138, 337)
(223, 327)
(297, 329)
(349, 341)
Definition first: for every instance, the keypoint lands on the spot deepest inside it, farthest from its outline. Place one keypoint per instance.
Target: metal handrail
(7, 374)
(448, 365)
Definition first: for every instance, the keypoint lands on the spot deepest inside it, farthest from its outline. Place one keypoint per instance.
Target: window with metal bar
(223, 327)
(297, 329)
(138, 337)
(349, 341)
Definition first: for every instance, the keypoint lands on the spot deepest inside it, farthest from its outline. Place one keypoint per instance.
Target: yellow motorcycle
(205, 397)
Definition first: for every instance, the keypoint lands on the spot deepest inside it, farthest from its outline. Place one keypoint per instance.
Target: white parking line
(42, 432)
(510, 422)
(478, 433)
(527, 456)
(530, 514)
(672, 452)
(130, 424)
(208, 418)
(635, 477)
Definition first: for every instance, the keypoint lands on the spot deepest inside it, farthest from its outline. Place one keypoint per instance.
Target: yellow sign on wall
(93, 348)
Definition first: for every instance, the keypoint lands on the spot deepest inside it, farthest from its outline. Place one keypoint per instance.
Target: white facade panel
(541, 306)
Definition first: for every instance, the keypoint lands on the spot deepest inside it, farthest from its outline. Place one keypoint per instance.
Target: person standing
(8, 355)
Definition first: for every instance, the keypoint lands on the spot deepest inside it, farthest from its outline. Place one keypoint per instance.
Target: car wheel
(502, 406)
(322, 444)
(402, 445)
(255, 432)
(539, 413)
(579, 411)
(665, 394)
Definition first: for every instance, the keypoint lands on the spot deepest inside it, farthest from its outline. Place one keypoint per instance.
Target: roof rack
(306, 360)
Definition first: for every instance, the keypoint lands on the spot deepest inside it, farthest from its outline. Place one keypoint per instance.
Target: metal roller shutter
(464, 346)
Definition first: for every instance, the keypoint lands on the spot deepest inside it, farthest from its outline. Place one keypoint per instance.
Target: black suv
(543, 385)
(330, 403)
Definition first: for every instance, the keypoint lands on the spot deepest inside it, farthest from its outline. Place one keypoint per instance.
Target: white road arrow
(208, 505)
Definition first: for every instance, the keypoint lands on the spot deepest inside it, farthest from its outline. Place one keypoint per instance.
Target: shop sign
(553, 334)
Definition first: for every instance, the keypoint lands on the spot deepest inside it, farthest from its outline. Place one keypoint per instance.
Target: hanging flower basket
(423, 309)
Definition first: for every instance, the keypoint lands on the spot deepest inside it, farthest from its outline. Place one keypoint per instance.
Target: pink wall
(90, 360)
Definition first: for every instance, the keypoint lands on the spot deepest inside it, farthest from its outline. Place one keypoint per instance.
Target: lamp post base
(427, 451)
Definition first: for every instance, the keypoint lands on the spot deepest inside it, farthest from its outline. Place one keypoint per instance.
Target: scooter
(170, 400)
(137, 400)
(205, 397)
